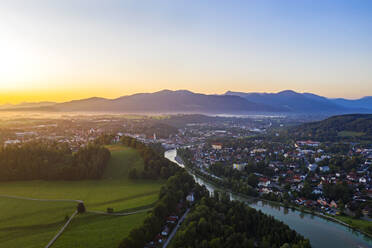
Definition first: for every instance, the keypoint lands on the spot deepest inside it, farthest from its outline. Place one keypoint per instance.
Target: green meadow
(31, 222)
(25, 222)
(98, 231)
(363, 225)
(350, 134)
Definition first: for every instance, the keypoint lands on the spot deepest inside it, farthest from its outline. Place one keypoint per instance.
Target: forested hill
(341, 127)
(218, 222)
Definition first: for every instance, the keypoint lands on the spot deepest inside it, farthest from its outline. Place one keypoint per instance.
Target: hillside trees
(51, 161)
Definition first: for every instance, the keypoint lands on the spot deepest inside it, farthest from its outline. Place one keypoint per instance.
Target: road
(175, 229)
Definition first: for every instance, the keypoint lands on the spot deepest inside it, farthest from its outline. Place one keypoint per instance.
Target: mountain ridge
(185, 101)
(306, 102)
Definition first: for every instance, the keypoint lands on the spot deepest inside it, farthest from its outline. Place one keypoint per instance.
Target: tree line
(40, 160)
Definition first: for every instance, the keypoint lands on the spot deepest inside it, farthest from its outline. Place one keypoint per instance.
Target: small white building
(12, 142)
(324, 168)
(362, 180)
(165, 232)
(312, 167)
(190, 198)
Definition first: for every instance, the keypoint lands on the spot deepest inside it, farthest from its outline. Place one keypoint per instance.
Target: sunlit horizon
(66, 50)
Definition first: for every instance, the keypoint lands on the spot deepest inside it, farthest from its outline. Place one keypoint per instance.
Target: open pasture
(36, 222)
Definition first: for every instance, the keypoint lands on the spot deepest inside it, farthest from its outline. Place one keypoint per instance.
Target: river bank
(214, 182)
(322, 230)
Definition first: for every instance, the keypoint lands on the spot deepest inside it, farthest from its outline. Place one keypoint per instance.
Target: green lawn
(114, 190)
(350, 134)
(97, 195)
(122, 160)
(31, 222)
(363, 225)
(98, 231)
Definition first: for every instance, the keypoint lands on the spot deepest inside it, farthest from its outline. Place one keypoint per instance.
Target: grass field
(363, 225)
(114, 190)
(350, 134)
(31, 222)
(98, 231)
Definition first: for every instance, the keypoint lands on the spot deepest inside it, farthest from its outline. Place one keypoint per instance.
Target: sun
(18, 62)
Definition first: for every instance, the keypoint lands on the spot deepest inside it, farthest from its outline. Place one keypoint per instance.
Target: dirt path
(120, 214)
(45, 200)
(61, 230)
(53, 240)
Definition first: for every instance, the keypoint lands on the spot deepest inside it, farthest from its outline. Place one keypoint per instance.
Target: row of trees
(155, 165)
(52, 161)
(218, 222)
(171, 194)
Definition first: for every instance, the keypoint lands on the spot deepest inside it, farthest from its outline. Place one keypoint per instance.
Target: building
(217, 146)
(12, 142)
(307, 143)
(239, 167)
(190, 198)
(264, 182)
(312, 167)
(324, 168)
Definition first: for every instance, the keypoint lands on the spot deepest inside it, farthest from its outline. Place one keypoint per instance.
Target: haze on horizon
(73, 49)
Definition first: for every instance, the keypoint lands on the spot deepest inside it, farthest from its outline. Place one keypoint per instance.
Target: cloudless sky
(63, 50)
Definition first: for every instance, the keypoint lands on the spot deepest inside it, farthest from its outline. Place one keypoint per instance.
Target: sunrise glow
(64, 50)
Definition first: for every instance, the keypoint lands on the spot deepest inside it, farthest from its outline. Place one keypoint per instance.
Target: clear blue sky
(61, 50)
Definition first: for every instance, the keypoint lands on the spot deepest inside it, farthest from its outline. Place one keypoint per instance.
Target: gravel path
(61, 230)
(45, 200)
(120, 214)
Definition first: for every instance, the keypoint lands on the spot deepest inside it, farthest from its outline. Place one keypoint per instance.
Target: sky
(72, 49)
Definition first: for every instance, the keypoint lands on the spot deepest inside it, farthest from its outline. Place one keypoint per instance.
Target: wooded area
(218, 222)
(52, 161)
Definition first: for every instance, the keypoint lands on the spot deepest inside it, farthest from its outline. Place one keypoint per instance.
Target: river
(322, 233)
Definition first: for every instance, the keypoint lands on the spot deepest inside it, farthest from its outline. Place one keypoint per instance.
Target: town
(304, 173)
(240, 153)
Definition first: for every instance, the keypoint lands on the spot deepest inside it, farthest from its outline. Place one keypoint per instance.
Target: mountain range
(183, 101)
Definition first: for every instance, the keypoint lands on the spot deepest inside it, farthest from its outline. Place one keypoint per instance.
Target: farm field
(37, 222)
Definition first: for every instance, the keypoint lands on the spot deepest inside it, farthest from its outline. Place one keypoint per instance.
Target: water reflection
(285, 211)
